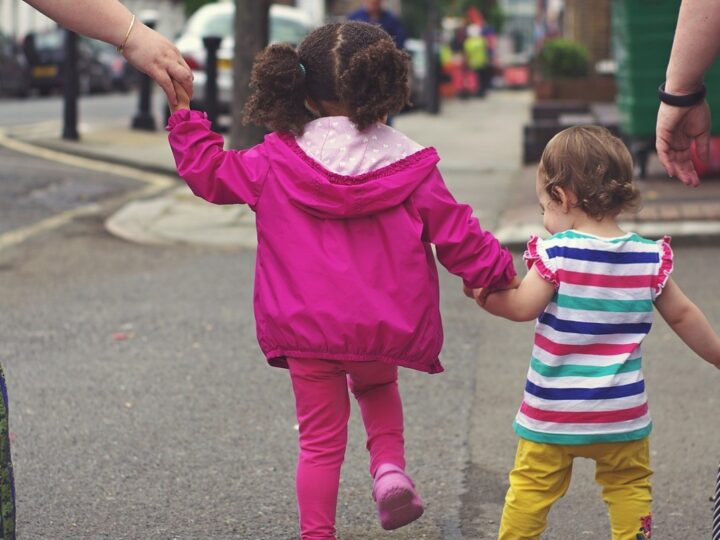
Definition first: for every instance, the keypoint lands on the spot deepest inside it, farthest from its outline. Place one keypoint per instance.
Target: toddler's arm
(689, 323)
(212, 173)
(522, 304)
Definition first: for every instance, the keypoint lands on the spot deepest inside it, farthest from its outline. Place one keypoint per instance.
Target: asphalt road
(141, 407)
(32, 190)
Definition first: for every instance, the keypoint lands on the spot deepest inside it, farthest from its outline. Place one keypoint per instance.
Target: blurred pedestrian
(684, 116)
(346, 288)
(476, 57)
(592, 288)
(372, 12)
(110, 21)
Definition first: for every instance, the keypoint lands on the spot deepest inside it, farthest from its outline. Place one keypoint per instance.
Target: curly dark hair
(354, 64)
(595, 166)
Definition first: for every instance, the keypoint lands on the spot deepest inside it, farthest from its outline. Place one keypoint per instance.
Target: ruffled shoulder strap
(536, 256)
(665, 267)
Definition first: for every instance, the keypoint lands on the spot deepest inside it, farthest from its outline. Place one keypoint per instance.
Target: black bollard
(144, 119)
(70, 88)
(212, 44)
(432, 60)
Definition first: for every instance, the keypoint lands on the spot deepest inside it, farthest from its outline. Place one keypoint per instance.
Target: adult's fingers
(664, 156)
(682, 167)
(165, 82)
(181, 74)
(687, 174)
(702, 146)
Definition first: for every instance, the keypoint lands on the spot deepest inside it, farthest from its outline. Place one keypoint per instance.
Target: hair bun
(375, 82)
(278, 83)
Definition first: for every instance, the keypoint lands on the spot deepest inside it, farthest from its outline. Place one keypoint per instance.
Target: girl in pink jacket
(346, 287)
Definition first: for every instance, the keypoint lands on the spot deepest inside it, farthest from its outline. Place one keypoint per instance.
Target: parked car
(45, 53)
(124, 76)
(13, 68)
(287, 25)
(418, 71)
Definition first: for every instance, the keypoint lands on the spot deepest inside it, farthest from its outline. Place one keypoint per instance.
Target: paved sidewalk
(668, 208)
(178, 217)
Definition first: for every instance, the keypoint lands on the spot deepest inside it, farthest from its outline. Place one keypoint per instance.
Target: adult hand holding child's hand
(183, 98)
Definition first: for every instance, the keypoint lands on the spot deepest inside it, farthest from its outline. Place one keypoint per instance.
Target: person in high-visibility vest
(476, 55)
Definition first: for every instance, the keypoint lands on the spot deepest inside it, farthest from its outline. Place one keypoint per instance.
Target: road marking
(155, 183)
(18, 236)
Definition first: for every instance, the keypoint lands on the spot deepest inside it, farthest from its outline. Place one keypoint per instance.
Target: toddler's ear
(565, 198)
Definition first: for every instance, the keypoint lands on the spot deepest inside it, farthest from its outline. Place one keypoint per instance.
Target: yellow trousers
(541, 476)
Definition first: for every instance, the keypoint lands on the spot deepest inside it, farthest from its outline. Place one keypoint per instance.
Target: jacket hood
(325, 194)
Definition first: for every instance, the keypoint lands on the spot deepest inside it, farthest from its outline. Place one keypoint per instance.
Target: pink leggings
(323, 410)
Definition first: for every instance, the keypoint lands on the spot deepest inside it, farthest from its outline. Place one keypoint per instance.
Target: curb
(686, 233)
(80, 152)
(514, 236)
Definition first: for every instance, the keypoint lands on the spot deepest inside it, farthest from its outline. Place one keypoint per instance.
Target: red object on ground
(516, 76)
(712, 167)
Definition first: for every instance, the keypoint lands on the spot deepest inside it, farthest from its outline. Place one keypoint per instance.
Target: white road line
(155, 183)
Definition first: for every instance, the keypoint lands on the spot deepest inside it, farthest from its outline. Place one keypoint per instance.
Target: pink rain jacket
(344, 268)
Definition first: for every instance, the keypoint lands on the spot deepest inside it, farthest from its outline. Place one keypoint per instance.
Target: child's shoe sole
(398, 507)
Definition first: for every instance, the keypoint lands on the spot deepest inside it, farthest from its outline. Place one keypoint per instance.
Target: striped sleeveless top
(585, 383)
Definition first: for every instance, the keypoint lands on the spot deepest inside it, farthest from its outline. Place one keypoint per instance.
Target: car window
(49, 40)
(286, 31)
(211, 23)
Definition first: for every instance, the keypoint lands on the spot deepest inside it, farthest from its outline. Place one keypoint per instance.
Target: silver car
(287, 25)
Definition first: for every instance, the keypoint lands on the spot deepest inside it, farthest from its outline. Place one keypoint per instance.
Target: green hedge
(562, 58)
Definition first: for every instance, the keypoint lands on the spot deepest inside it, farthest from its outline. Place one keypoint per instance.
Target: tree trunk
(251, 35)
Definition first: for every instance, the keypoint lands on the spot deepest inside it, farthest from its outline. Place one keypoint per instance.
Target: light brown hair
(595, 166)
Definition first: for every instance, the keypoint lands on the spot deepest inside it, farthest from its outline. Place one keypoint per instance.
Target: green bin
(642, 36)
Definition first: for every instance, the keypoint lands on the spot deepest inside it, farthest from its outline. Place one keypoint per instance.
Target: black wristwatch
(687, 100)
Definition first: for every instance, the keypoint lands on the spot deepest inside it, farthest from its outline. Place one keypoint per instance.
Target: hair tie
(302, 68)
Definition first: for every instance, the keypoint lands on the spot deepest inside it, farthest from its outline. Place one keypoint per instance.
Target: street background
(140, 403)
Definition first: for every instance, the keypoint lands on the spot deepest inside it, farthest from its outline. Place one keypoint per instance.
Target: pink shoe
(397, 501)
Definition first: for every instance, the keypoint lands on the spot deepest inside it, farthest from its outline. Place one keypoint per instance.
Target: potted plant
(564, 74)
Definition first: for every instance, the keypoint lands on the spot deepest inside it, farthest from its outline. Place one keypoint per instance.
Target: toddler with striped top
(592, 288)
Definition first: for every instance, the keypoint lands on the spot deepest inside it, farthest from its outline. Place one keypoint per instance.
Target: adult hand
(153, 54)
(183, 98)
(677, 128)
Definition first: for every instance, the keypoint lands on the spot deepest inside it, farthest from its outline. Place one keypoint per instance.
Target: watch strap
(687, 100)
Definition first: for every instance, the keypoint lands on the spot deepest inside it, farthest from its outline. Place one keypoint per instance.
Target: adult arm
(696, 44)
(689, 323)
(109, 20)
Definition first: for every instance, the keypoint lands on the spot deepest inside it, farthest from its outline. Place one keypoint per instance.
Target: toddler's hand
(183, 99)
(481, 295)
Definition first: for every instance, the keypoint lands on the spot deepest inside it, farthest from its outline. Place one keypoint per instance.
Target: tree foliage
(191, 6)
(414, 12)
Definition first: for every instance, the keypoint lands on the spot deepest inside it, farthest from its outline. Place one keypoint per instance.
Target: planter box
(585, 89)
